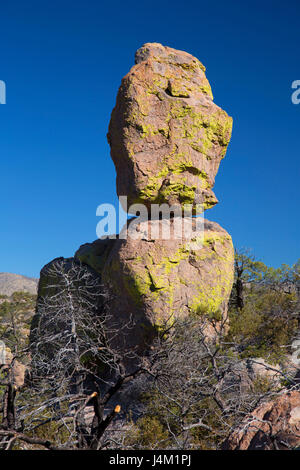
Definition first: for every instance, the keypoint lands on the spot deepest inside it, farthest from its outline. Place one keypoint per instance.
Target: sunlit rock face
(167, 136)
(273, 425)
(156, 281)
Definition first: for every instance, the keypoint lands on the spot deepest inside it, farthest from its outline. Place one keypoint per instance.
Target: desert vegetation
(189, 391)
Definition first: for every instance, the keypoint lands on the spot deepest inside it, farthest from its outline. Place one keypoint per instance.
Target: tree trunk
(239, 294)
(9, 416)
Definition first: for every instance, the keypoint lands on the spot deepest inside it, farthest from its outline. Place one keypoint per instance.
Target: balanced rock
(167, 136)
(167, 139)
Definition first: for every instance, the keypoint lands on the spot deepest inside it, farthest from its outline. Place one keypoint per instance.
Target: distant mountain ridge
(10, 283)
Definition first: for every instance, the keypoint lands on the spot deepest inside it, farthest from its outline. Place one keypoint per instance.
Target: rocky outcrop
(273, 425)
(167, 136)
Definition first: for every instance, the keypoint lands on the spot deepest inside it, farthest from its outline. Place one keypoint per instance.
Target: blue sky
(63, 61)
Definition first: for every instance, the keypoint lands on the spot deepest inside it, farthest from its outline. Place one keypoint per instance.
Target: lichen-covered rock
(159, 280)
(273, 425)
(167, 136)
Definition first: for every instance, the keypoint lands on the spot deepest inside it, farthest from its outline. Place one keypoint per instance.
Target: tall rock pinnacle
(167, 139)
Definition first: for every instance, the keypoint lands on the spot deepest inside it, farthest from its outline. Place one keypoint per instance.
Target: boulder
(167, 136)
(273, 425)
(156, 281)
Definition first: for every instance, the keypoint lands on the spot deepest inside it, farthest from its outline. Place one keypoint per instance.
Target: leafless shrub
(73, 367)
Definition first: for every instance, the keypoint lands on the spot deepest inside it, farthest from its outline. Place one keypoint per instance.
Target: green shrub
(265, 326)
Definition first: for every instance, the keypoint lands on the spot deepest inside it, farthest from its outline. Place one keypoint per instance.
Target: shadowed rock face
(273, 425)
(167, 137)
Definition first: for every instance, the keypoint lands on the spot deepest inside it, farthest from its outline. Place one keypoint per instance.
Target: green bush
(265, 326)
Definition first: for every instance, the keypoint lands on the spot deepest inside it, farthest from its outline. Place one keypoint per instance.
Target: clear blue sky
(63, 61)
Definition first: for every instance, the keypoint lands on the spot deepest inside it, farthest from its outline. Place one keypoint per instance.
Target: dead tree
(73, 367)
